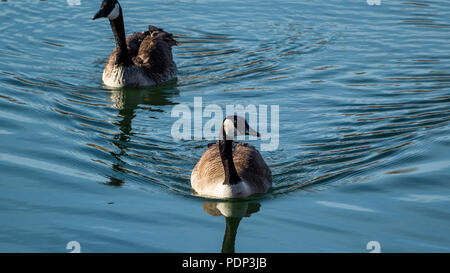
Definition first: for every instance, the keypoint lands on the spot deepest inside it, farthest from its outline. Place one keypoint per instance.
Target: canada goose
(231, 170)
(143, 59)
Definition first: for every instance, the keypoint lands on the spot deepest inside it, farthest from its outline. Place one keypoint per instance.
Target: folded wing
(152, 50)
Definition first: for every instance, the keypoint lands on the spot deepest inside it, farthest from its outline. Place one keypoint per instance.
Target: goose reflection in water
(233, 213)
(127, 100)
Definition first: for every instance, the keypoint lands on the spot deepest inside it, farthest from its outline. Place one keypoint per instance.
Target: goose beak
(250, 132)
(99, 14)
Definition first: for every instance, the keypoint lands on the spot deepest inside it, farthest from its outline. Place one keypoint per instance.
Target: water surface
(364, 127)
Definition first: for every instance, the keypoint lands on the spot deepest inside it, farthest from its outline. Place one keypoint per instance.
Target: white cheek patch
(228, 127)
(114, 13)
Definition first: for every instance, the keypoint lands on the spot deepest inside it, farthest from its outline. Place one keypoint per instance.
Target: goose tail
(161, 34)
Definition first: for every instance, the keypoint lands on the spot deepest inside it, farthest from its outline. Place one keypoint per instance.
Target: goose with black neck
(143, 59)
(231, 169)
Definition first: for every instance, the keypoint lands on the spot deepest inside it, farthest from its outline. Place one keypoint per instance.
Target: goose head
(109, 9)
(235, 125)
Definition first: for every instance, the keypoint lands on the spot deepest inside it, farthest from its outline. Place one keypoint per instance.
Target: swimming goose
(231, 170)
(143, 59)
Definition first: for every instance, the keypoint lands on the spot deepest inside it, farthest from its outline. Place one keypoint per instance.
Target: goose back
(249, 164)
(152, 60)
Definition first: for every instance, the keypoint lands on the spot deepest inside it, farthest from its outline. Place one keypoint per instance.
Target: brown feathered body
(208, 175)
(152, 60)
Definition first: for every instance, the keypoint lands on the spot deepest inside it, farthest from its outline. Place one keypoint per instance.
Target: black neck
(118, 28)
(226, 153)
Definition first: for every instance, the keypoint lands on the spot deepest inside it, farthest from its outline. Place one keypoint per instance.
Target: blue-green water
(364, 97)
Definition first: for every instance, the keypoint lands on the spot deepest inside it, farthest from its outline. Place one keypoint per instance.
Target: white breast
(217, 189)
(119, 76)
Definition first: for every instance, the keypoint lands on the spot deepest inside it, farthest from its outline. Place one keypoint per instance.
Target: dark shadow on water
(126, 101)
(131, 98)
(233, 213)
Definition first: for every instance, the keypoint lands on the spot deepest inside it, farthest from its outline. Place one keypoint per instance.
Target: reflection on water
(233, 213)
(127, 100)
(132, 98)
